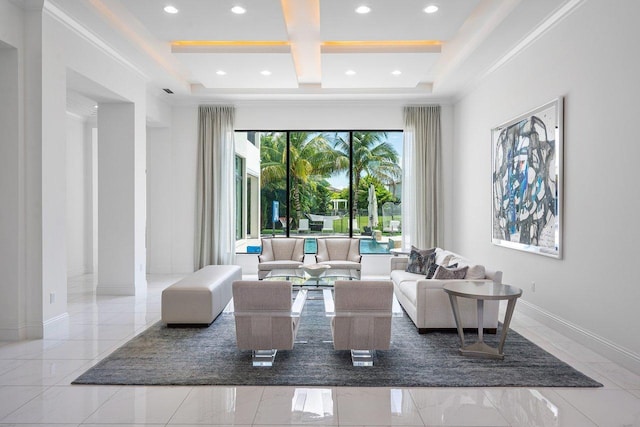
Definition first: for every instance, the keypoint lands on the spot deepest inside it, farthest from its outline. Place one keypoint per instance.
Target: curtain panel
(215, 205)
(422, 183)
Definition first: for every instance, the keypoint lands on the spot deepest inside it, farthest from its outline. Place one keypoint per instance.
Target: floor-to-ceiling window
(330, 183)
(239, 184)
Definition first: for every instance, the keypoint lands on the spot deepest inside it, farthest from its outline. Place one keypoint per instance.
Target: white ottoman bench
(200, 297)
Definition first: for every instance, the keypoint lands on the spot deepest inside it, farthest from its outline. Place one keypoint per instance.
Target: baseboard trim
(608, 349)
(50, 324)
(30, 331)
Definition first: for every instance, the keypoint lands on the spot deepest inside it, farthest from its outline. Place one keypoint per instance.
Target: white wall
(78, 225)
(172, 164)
(589, 58)
(12, 318)
(159, 200)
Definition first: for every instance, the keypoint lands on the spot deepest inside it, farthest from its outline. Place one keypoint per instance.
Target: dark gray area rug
(209, 356)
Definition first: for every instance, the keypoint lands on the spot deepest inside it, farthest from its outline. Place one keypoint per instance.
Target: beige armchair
(280, 253)
(339, 253)
(266, 320)
(362, 321)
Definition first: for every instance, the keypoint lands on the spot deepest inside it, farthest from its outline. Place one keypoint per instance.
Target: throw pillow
(475, 272)
(420, 260)
(433, 267)
(448, 274)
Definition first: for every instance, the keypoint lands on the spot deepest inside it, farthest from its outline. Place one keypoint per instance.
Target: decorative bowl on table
(315, 270)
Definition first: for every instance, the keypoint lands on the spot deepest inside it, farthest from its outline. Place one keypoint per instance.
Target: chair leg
(263, 357)
(362, 357)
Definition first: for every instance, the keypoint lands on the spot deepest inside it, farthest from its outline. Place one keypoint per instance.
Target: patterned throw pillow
(448, 274)
(420, 260)
(433, 267)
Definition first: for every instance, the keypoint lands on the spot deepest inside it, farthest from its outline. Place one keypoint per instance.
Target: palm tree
(311, 158)
(372, 156)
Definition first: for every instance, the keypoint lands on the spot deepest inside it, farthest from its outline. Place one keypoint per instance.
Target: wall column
(121, 216)
(11, 322)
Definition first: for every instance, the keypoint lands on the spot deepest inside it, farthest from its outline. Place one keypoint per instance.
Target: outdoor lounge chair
(303, 225)
(327, 225)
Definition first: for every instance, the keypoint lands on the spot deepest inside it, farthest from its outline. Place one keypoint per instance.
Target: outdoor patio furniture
(394, 227)
(303, 225)
(327, 225)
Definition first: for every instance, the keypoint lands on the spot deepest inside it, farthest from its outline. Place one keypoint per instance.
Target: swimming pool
(367, 246)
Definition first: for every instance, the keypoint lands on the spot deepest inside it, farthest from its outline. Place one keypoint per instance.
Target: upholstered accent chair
(362, 321)
(266, 320)
(280, 253)
(339, 253)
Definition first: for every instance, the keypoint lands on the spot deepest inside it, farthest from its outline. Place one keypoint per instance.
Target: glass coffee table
(301, 279)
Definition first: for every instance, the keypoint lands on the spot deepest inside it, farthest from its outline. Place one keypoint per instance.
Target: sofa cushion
(433, 267)
(409, 289)
(399, 276)
(453, 273)
(283, 264)
(475, 272)
(420, 260)
(342, 265)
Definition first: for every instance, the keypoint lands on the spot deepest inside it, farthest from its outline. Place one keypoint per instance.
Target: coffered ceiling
(309, 49)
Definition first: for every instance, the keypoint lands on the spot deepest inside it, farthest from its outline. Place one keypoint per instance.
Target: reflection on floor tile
(13, 397)
(292, 405)
(536, 407)
(605, 407)
(456, 407)
(65, 404)
(141, 405)
(377, 406)
(219, 405)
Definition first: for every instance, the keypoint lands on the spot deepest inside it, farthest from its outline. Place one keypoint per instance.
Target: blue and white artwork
(526, 179)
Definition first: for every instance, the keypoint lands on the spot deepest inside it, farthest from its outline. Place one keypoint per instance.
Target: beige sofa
(428, 305)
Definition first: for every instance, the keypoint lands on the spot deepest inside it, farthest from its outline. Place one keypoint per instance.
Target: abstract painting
(526, 181)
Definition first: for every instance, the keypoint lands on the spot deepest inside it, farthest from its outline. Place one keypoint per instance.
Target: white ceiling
(308, 45)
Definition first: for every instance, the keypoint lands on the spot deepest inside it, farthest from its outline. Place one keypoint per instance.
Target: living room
(580, 51)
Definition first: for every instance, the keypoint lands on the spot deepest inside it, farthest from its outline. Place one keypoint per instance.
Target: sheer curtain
(215, 205)
(421, 184)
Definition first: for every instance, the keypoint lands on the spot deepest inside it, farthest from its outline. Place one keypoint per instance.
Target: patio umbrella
(373, 207)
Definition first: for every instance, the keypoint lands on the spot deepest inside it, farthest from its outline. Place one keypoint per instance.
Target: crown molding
(534, 35)
(80, 30)
(545, 26)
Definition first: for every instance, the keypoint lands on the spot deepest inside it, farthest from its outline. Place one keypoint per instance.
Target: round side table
(482, 291)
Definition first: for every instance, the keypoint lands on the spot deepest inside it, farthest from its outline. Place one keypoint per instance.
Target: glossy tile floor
(35, 385)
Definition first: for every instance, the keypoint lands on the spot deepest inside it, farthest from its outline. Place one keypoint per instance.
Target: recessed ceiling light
(265, 72)
(350, 73)
(95, 106)
(238, 10)
(171, 9)
(431, 9)
(396, 72)
(363, 9)
(221, 72)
